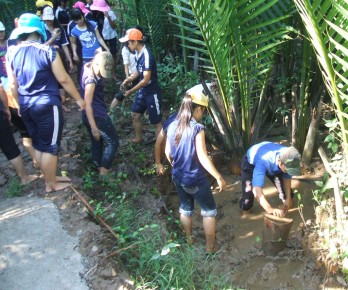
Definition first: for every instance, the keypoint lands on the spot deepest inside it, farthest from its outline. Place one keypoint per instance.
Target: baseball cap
(198, 97)
(82, 6)
(47, 13)
(41, 3)
(104, 61)
(100, 5)
(291, 158)
(132, 34)
(2, 27)
(29, 23)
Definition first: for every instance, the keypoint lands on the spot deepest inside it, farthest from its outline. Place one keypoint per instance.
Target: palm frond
(326, 23)
(240, 40)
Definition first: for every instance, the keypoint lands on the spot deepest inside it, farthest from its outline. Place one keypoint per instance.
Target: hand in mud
(278, 212)
(222, 183)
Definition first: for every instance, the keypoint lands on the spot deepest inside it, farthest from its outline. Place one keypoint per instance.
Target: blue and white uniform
(148, 97)
(261, 160)
(39, 99)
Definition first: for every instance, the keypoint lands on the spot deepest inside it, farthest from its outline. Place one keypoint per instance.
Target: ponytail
(184, 116)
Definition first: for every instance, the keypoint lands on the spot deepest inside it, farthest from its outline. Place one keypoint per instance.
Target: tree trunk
(308, 149)
(294, 119)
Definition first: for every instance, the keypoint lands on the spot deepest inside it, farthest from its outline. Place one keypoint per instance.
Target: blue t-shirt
(146, 61)
(88, 39)
(31, 63)
(264, 156)
(186, 166)
(98, 104)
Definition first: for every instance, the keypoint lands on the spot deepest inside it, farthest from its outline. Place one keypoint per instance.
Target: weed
(14, 188)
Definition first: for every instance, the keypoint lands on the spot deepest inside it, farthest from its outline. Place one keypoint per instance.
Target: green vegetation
(14, 188)
(156, 256)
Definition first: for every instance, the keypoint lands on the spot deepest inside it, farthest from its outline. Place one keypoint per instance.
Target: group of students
(35, 70)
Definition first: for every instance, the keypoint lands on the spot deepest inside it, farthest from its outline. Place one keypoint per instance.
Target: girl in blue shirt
(187, 153)
(102, 131)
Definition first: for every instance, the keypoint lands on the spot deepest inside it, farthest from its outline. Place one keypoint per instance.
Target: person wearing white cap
(186, 152)
(279, 163)
(57, 38)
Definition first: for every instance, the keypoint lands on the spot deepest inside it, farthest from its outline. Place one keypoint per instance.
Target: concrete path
(36, 253)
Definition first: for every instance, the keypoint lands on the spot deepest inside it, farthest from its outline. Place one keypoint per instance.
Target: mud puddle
(241, 259)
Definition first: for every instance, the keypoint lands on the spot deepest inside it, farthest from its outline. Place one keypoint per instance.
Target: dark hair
(76, 14)
(184, 116)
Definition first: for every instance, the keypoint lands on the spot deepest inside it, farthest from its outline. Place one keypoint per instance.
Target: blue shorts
(201, 193)
(150, 102)
(45, 126)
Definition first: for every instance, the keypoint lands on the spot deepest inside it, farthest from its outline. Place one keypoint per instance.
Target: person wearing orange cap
(187, 153)
(148, 96)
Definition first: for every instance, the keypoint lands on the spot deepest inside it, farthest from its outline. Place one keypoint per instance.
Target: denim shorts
(201, 193)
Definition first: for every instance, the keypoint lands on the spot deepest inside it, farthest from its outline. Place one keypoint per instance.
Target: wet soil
(240, 259)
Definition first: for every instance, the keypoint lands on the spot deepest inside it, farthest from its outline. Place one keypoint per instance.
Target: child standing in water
(187, 153)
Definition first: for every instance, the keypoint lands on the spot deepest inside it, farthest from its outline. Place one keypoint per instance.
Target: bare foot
(213, 250)
(58, 186)
(29, 178)
(62, 179)
(136, 141)
(191, 240)
(245, 213)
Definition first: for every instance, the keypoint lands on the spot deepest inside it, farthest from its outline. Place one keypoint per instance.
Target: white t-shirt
(108, 32)
(129, 58)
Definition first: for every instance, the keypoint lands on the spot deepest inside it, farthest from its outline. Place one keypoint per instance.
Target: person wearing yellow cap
(187, 153)
(40, 4)
(162, 136)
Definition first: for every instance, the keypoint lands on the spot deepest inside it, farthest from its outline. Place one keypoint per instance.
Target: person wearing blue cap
(279, 163)
(187, 153)
(34, 70)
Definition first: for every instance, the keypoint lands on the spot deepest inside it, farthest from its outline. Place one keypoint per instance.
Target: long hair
(184, 116)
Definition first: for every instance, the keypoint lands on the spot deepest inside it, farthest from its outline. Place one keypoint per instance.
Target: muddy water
(241, 260)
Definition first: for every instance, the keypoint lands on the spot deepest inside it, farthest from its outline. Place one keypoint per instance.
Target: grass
(14, 188)
(155, 255)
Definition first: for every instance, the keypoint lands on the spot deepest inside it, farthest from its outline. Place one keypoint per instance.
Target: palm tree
(326, 23)
(237, 42)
